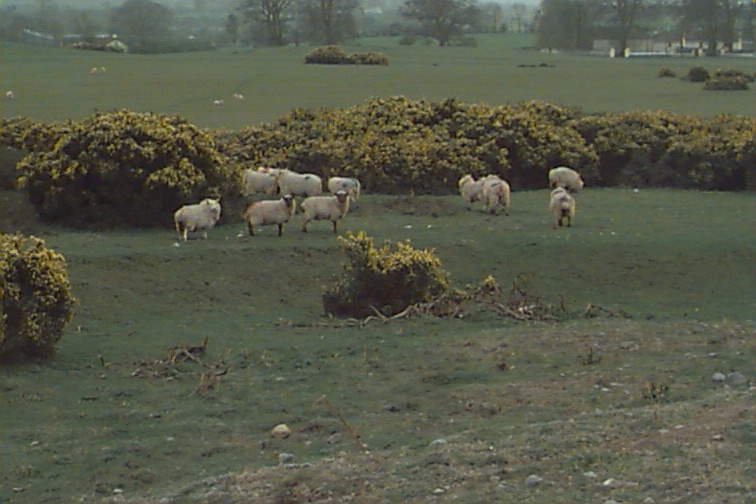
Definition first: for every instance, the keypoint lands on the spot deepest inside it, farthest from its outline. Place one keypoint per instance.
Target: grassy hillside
(55, 84)
(625, 398)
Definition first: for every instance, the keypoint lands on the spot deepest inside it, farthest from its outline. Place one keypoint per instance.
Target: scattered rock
(736, 378)
(717, 437)
(533, 480)
(285, 458)
(438, 442)
(334, 438)
(718, 377)
(610, 483)
(649, 500)
(280, 431)
(590, 475)
(439, 491)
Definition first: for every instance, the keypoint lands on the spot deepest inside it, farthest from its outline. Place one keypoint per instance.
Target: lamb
(567, 178)
(350, 185)
(199, 217)
(9, 95)
(495, 194)
(269, 212)
(260, 181)
(562, 206)
(332, 208)
(299, 184)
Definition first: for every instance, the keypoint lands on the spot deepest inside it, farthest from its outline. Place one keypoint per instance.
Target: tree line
(567, 24)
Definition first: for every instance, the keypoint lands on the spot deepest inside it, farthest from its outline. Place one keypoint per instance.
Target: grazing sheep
(332, 208)
(238, 96)
(199, 217)
(93, 70)
(9, 95)
(350, 185)
(299, 184)
(260, 181)
(470, 189)
(495, 194)
(562, 206)
(269, 212)
(102, 70)
(218, 103)
(566, 178)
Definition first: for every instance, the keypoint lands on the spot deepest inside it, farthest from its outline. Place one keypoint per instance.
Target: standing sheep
(199, 217)
(496, 193)
(299, 184)
(332, 208)
(9, 95)
(470, 189)
(562, 206)
(350, 185)
(260, 181)
(567, 178)
(270, 212)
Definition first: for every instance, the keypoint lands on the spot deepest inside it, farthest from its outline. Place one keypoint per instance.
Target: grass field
(461, 409)
(55, 85)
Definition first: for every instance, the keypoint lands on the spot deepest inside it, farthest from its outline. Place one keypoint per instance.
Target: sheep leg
(251, 228)
(335, 230)
(280, 230)
(304, 226)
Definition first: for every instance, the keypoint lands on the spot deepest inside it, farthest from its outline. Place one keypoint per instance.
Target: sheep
(567, 178)
(238, 96)
(495, 194)
(218, 103)
(562, 206)
(332, 208)
(9, 95)
(262, 180)
(299, 184)
(269, 212)
(92, 70)
(199, 217)
(470, 189)
(102, 70)
(350, 185)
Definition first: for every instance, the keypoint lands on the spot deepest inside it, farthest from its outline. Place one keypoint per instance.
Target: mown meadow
(614, 400)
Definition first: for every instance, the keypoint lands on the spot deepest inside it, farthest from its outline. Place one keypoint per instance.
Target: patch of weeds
(656, 392)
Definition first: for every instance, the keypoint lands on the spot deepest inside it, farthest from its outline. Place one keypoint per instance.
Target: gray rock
(718, 377)
(533, 480)
(736, 378)
(590, 475)
(438, 442)
(285, 458)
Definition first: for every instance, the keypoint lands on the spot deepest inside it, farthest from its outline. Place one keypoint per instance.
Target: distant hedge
(335, 55)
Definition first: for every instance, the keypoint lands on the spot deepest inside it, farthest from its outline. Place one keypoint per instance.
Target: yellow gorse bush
(36, 297)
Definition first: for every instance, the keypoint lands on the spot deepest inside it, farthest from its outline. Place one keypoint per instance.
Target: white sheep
(350, 185)
(9, 95)
(270, 212)
(332, 208)
(470, 189)
(299, 184)
(218, 103)
(93, 70)
(238, 96)
(567, 178)
(199, 217)
(495, 194)
(562, 206)
(260, 181)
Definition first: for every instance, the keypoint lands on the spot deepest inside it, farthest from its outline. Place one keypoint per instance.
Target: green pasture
(55, 84)
(509, 399)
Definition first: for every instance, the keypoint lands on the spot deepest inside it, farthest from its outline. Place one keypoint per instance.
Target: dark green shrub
(125, 169)
(387, 279)
(731, 73)
(726, 84)
(369, 58)
(36, 297)
(698, 74)
(666, 72)
(328, 55)
(407, 40)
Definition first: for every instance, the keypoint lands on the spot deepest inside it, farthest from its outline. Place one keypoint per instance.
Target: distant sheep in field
(565, 177)
(332, 208)
(9, 95)
(260, 181)
(199, 217)
(496, 194)
(93, 70)
(238, 96)
(270, 212)
(350, 185)
(218, 103)
(562, 206)
(299, 184)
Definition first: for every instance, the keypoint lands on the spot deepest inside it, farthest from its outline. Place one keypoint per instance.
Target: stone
(736, 378)
(281, 431)
(533, 480)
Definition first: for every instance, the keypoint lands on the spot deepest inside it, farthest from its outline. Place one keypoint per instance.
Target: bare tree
(441, 19)
(270, 15)
(626, 12)
(519, 10)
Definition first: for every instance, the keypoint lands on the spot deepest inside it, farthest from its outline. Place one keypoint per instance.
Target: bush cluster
(666, 72)
(124, 169)
(335, 55)
(387, 279)
(698, 74)
(36, 297)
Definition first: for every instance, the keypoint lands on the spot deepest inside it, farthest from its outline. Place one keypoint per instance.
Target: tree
(330, 21)
(566, 24)
(494, 11)
(518, 11)
(83, 25)
(703, 15)
(139, 21)
(441, 19)
(269, 16)
(626, 12)
(232, 28)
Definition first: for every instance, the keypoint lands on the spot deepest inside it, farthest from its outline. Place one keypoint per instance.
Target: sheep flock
(274, 194)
